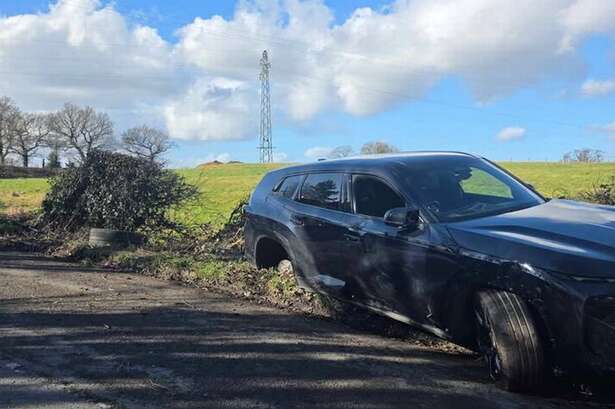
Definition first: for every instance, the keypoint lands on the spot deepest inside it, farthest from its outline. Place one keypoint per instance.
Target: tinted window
(322, 189)
(289, 186)
(482, 183)
(373, 197)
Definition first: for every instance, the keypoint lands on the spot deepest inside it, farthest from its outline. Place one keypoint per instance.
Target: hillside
(224, 185)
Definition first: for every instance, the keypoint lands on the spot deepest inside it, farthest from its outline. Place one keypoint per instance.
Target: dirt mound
(212, 163)
(229, 240)
(19, 233)
(218, 163)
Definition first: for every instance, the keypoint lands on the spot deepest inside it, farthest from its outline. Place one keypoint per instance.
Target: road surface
(73, 337)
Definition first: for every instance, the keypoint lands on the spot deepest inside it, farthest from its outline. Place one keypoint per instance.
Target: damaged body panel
(432, 239)
(560, 256)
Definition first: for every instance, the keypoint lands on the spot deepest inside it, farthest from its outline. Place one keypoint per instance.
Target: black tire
(509, 340)
(114, 238)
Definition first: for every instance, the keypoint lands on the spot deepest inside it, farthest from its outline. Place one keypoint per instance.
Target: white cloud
(511, 133)
(280, 157)
(317, 152)
(233, 48)
(205, 86)
(594, 88)
(86, 54)
(582, 17)
(212, 109)
(608, 129)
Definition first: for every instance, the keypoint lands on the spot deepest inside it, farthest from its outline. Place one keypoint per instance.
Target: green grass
(21, 195)
(561, 179)
(223, 186)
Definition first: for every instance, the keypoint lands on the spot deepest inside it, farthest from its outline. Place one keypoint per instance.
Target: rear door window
(288, 186)
(323, 190)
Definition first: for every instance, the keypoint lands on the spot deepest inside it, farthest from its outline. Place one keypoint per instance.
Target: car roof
(375, 163)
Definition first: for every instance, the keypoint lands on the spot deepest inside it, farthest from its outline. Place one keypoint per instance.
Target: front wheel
(509, 340)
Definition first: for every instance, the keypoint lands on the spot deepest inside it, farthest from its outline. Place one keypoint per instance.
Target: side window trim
(353, 202)
(295, 197)
(346, 204)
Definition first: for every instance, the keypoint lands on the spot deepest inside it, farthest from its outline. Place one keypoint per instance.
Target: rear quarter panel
(268, 216)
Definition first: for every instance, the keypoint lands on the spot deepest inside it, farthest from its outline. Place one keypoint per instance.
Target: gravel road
(73, 337)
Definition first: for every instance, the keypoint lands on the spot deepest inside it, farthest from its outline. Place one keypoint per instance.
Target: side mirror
(403, 217)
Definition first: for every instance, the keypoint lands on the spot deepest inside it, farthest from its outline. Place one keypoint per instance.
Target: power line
(169, 78)
(291, 74)
(423, 100)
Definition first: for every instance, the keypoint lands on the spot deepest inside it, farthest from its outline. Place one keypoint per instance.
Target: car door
(376, 276)
(320, 219)
(399, 271)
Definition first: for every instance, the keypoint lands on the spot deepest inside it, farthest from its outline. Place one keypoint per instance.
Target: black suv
(455, 245)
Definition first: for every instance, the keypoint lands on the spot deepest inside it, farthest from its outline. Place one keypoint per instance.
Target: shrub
(603, 193)
(115, 191)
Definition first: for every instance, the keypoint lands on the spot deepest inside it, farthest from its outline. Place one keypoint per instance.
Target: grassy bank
(223, 186)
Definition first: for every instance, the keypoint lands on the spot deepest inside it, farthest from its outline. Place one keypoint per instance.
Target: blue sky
(456, 94)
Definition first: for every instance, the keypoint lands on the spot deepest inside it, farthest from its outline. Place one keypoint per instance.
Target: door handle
(352, 237)
(353, 233)
(297, 220)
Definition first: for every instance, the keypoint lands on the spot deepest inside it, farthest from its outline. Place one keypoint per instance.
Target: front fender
(480, 272)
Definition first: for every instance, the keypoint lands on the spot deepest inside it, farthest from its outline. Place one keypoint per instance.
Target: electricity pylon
(266, 144)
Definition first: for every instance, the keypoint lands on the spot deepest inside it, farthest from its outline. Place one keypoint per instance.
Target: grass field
(21, 195)
(223, 186)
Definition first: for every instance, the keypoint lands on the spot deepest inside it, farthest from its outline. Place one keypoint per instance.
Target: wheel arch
(269, 251)
(463, 293)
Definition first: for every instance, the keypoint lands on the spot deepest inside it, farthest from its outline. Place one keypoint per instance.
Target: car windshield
(463, 188)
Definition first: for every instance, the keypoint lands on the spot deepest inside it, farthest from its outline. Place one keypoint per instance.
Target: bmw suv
(455, 245)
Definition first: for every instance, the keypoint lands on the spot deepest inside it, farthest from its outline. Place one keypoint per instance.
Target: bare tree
(372, 148)
(585, 155)
(9, 121)
(31, 134)
(83, 129)
(146, 142)
(341, 152)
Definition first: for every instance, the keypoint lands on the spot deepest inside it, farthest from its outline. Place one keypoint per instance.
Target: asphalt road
(72, 337)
